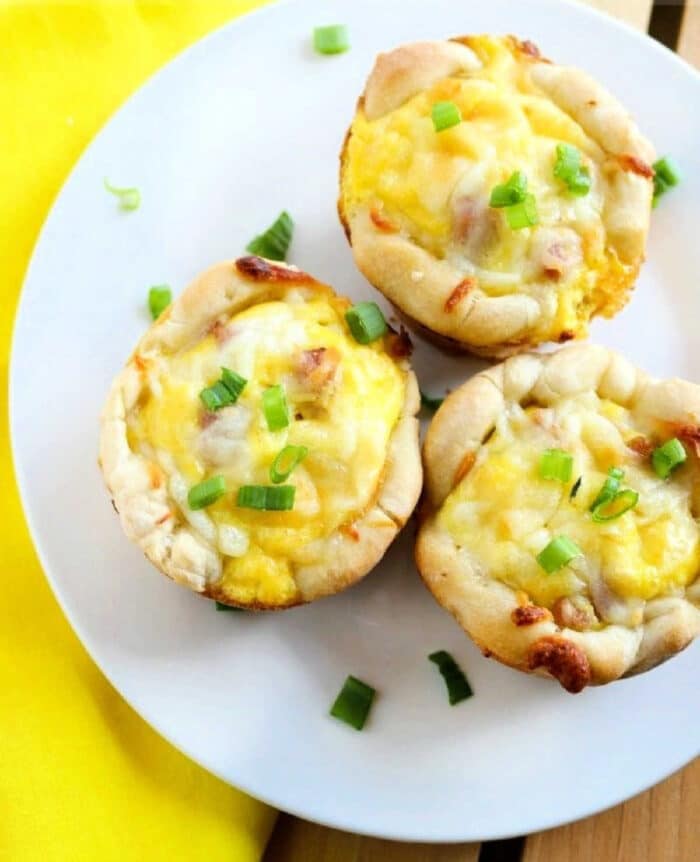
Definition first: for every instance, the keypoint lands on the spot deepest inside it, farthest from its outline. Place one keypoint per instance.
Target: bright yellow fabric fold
(82, 777)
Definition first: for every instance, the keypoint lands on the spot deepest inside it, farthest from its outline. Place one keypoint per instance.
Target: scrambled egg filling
(435, 187)
(343, 411)
(502, 514)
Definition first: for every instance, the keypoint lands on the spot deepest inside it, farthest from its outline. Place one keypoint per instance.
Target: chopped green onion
(612, 509)
(353, 703)
(523, 214)
(556, 464)
(610, 488)
(129, 199)
(275, 407)
(366, 322)
(159, 298)
(207, 492)
(574, 491)
(569, 170)
(333, 39)
(666, 458)
(274, 242)
(458, 687)
(224, 392)
(233, 382)
(269, 498)
(430, 403)
(286, 461)
(665, 177)
(512, 191)
(220, 606)
(558, 553)
(445, 115)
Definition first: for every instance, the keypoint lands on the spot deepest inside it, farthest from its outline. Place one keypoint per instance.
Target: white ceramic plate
(245, 123)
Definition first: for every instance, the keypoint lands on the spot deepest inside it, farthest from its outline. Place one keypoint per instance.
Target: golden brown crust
(137, 486)
(488, 610)
(487, 324)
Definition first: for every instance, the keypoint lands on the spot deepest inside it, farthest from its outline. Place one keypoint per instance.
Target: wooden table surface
(661, 825)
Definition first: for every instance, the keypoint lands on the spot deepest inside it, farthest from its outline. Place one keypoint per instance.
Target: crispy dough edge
(138, 487)
(493, 326)
(482, 605)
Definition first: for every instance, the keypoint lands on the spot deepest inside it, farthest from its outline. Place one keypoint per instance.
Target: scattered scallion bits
(611, 510)
(445, 115)
(129, 199)
(458, 688)
(266, 498)
(285, 462)
(429, 402)
(610, 489)
(570, 171)
(159, 298)
(275, 407)
(332, 39)
(523, 214)
(666, 176)
(366, 322)
(512, 191)
(274, 242)
(556, 464)
(220, 606)
(558, 553)
(206, 493)
(353, 703)
(224, 392)
(665, 459)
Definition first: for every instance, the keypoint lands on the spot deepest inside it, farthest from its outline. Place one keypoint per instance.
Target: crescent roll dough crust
(632, 599)
(353, 406)
(415, 202)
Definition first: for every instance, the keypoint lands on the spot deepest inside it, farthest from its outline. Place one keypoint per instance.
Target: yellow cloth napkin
(82, 777)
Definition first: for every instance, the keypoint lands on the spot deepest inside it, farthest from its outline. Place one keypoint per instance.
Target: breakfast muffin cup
(261, 444)
(497, 199)
(560, 517)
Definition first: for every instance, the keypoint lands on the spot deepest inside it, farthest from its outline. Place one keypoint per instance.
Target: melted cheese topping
(345, 421)
(502, 514)
(435, 187)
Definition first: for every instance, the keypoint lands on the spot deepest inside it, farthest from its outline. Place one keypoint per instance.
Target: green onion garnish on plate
(266, 498)
(332, 39)
(445, 115)
(275, 407)
(224, 392)
(220, 606)
(354, 702)
(458, 688)
(366, 322)
(570, 171)
(159, 298)
(558, 553)
(129, 199)
(611, 510)
(556, 464)
(274, 242)
(429, 403)
(206, 493)
(666, 176)
(668, 457)
(285, 462)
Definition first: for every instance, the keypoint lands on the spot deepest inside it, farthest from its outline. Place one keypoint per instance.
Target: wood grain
(295, 840)
(660, 825)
